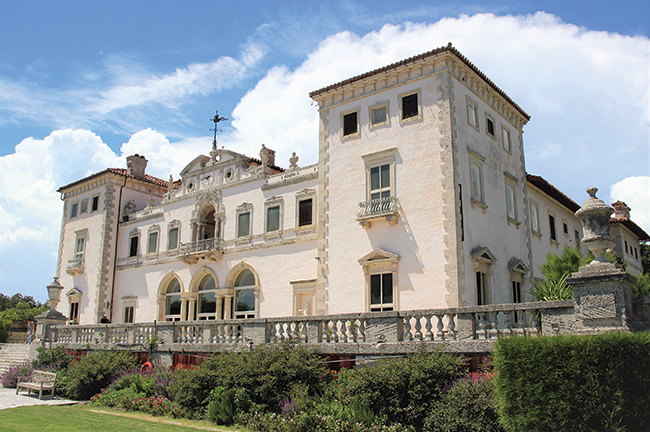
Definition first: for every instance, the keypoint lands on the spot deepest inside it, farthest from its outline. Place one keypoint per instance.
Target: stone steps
(11, 354)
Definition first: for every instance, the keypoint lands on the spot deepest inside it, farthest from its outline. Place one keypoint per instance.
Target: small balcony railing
(387, 208)
(211, 248)
(75, 265)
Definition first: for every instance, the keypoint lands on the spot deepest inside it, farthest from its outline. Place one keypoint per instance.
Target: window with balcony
(76, 264)
(381, 201)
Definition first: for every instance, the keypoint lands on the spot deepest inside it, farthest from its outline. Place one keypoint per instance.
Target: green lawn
(75, 418)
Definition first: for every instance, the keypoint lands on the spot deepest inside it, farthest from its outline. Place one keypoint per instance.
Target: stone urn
(54, 293)
(594, 215)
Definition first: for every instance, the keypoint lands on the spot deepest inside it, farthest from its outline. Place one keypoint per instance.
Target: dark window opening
(481, 288)
(551, 223)
(350, 124)
(460, 200)
(410, 106)
(381, 292)
(565, 227)
(133, 250)
(305, 212)
(74, 311)
(490, 126)
(128, 314)
(95, 204)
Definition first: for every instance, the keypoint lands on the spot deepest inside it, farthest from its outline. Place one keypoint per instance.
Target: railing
(383, 207)
(200, 246)
(350, 333)
(75, 265)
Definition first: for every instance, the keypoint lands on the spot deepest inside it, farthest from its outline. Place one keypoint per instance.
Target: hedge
(576, 383)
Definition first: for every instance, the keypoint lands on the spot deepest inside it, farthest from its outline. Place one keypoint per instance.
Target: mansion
(420, 200)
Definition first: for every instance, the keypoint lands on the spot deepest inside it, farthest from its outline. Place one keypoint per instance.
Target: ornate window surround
(380, 261)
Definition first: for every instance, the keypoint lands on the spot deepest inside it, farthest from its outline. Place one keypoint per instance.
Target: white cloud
(635, 192)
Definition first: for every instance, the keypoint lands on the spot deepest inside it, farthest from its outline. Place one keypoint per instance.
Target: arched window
(245, 294)
(173, 301)
(207, 299)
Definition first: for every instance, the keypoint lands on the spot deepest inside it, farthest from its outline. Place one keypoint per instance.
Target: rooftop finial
(216, 119)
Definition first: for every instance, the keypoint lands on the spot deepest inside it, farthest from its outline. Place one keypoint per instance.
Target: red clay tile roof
(119, 171)
(553, 192)
(629, 224)
(442, 50)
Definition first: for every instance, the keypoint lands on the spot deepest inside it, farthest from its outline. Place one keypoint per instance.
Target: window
(410, 106)
(481, 288)
(172, 238)
(379, 115)
(74, 311)
(489, 125)
(152, 244)
(505, 138)
(173, 300)
(128, 314)
(565, 228)
(516, 292)
(133, 246)
(472, 113)
(380, 182)
(273, 218)
(79, 247)
(636, 253)
(243, 224)
(245, 298)
(476, 178)
(207, 298)
(351, 123)
(305, 212)
(73, 210)
(518, 271)
(511, 197)
(625, 241)
(380, 270)
(534, 217)
(576, 236)
(84, 206)
(94, 203)
(551, 224)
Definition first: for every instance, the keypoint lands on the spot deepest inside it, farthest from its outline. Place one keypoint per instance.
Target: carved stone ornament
(594, 215)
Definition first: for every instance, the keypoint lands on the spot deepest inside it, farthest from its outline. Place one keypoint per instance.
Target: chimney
(267, 156)
(136, 165)
(621, 210)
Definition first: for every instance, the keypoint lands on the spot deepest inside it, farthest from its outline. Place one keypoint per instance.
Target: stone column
(228, 307)
(219, 307)
(183, 309)
(192, 309)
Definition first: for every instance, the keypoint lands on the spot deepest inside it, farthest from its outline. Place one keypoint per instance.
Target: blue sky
(84, 84)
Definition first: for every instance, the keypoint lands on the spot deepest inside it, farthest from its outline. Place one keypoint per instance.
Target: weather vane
(216, 120)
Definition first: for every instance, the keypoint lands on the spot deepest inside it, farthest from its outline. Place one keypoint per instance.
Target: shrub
(576, 383)
(468, 405)
(269, 371)
(399, 390)
(54, 359)
(642, 287)
(94, 372)
(221, 408)
(16, 372)
(311, 422)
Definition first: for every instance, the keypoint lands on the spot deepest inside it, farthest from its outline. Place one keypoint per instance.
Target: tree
(7, 302)
(556, 270)
(645, 257)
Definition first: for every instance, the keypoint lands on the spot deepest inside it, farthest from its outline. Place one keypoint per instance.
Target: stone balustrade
(452, 329)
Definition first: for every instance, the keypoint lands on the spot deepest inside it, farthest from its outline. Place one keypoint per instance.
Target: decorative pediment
(73, 294)
(379, 256)
(196, 165)
(483, 254)
(517, 265)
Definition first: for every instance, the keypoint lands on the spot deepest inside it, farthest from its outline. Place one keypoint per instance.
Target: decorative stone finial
(594, 215)
(293, 160)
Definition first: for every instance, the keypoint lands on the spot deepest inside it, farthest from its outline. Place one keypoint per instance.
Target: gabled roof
(433, 53)
(119, 171)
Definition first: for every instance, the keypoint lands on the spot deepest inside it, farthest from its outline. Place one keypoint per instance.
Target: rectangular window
(565, 228)
(551, 224)
(74, 311)
(172, 239)
(489, 126)
(481, 288)
(152, 245)
(273, 218)
(95, 204)
(636, 253)
(73, 210)
(534, 217)
(378, 115)
(381, 292)
(350, 123)
(79, 247)
(505, 137)
(576, 235)
(128, 314)
(380, 182)
(133, 246)
(243, 224)
(511, 202)
(410, 106)
(472, 113)
(516, 292)
(625, 241)
(84, 206)
(476, 175)
(305, 212)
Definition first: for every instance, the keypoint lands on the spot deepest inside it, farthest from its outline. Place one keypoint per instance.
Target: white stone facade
(420, 200)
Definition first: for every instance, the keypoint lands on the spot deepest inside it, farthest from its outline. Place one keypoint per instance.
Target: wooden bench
(40, 381)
